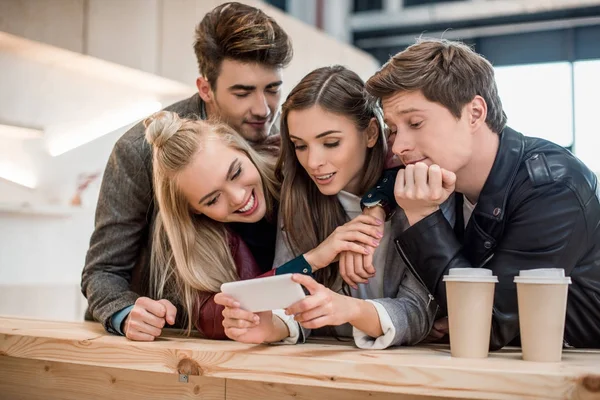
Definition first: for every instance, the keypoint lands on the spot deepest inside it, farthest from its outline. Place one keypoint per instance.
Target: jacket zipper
(420, 280)
(414, 271)
(487, 260)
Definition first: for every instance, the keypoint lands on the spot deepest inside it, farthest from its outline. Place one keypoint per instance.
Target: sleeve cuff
(117, 319)
(298, 265)
(364, 341)
(383, 193)
(292, 327)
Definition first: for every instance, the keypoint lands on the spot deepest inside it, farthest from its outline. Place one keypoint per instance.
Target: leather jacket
(539, 208)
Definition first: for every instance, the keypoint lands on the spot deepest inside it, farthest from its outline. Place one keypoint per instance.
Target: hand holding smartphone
(265, 294)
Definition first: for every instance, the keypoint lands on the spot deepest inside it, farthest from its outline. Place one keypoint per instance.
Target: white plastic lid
(470, 275)
(543, 276)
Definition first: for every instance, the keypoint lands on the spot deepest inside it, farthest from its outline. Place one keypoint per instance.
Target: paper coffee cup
(542, 296)
(470, 298)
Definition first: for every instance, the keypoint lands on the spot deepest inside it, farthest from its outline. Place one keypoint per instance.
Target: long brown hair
(309, 216)
(190, 251)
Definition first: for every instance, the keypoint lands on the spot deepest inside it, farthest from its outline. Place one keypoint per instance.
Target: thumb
(307, 282)
(170, 311)
(448, 179)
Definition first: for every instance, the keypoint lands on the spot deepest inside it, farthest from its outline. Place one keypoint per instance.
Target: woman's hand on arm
(356, 235)
(358, 268)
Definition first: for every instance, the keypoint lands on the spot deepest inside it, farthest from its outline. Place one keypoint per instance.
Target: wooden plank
(423, 370)
(32, 379)
(242, 390)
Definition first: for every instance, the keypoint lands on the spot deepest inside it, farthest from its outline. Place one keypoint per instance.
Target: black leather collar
(493, 197)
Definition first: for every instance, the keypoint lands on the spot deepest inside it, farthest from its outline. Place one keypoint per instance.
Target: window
(537, 99)
(409, 3)
(367, 5)
(587, 90)
(281, 4)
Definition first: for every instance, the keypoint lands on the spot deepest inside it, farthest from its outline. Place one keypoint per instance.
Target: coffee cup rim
(470, 275)
(474, 279)
(541, 280)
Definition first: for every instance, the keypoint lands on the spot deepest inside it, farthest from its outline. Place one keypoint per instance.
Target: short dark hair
(242, 33)
(446, 72)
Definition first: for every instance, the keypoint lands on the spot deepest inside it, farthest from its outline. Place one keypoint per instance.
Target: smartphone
(265, 294)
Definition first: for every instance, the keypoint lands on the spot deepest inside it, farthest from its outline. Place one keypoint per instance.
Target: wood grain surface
(423, 370)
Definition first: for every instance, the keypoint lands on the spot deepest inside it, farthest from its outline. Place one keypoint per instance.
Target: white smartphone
(265, 294)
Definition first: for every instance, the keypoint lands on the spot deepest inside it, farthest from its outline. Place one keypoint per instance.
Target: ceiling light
(15, 174)
(79, 134)
(19, 132)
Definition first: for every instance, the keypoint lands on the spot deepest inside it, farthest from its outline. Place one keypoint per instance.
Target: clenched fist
(420, 189)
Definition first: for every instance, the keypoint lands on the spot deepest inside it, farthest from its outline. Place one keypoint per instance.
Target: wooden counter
(79, 360)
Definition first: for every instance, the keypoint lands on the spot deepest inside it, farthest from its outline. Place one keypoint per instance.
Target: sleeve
(121, 228)
(208, 316)
(405, 319)
(383, 192)
(118, 318)
(364, 341)
(292, 325)
(285, 262)
(553, 211)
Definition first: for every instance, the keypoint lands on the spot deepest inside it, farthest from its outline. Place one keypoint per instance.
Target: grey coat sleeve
(121, 230)
(412, 312)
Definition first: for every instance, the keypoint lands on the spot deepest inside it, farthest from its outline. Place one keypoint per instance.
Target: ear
(477, 112)
(372, 132)
(204, 89)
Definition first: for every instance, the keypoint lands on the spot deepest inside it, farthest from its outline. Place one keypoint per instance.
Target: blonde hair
(190, 251)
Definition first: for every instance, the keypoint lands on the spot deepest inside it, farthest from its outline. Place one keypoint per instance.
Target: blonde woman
(207, 179)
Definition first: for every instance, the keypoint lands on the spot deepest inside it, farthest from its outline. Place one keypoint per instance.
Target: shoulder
(551, 169)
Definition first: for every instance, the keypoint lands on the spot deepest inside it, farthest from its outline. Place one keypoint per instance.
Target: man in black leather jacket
(522, 202)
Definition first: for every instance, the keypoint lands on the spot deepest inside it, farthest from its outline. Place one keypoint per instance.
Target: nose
(315, 159)
(402, 143)
(260, 106)
(237, 196)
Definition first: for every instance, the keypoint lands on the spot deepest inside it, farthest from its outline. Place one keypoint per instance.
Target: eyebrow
(229, 171)
(319, 136)
(408, 111)
(273, 84)
(250, 88)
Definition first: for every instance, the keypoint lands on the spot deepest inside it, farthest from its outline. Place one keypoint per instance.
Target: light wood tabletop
(49, 359)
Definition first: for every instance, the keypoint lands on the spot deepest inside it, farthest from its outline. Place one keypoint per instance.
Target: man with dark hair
(241, 53)
(522, 202)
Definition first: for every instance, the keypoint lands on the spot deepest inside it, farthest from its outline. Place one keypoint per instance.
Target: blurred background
(76, 74)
